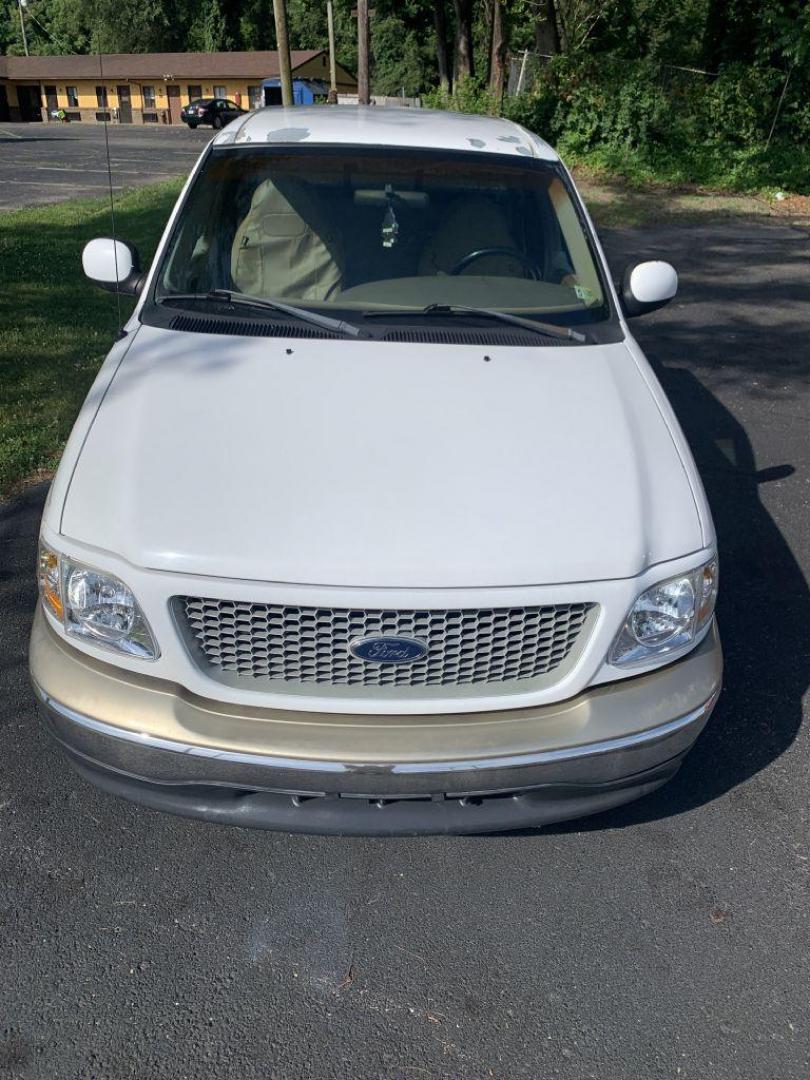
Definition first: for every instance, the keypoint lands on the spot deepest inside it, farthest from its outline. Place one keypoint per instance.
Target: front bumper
(155, 743)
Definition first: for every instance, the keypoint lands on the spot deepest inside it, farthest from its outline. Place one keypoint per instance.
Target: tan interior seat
(285, 250)
(473, 223)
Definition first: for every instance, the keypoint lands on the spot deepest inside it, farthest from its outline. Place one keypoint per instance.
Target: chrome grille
(311, 645)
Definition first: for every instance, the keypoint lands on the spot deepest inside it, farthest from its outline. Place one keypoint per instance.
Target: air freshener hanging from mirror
(390, 225)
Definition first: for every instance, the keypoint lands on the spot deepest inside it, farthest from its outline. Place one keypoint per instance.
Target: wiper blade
(225, 296)
(549, 329)
(546, 329)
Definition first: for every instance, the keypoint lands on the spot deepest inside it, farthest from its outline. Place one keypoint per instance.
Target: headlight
(667, 617)
(94, 605)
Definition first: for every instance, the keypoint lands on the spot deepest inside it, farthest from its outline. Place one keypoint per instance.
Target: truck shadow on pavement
(747, 336)
(763, 612)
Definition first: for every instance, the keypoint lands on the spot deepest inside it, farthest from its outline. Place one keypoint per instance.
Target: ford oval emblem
(388, 649)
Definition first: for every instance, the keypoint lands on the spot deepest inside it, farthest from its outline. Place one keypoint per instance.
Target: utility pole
(363, 91)
(330, 22)
(23, 4)
(283, 46)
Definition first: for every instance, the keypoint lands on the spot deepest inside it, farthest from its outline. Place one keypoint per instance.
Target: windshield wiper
(225, 296)
(546, 329)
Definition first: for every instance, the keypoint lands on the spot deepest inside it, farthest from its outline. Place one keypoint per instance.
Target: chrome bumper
(478, 786)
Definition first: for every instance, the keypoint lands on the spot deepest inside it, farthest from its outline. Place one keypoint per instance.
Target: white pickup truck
(376, 519)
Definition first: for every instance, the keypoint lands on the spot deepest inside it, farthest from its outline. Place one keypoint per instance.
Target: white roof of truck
(368, 125)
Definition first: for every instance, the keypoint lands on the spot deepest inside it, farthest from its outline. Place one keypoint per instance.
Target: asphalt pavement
(42, 163)
(667, 939)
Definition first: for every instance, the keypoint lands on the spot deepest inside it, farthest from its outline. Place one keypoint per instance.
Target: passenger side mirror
(647, 286)
(114, 265)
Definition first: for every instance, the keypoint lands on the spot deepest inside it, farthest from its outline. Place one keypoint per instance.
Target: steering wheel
(513, 253)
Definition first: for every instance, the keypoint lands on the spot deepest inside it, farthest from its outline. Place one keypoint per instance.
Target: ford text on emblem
(388, 649)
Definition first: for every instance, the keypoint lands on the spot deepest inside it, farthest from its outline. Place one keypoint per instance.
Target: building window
(194, 93)
(101, 97)
(148, 97)
(220, 91)
(72, 96)
(255, 97)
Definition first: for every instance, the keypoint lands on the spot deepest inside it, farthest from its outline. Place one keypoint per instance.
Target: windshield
(385, 229)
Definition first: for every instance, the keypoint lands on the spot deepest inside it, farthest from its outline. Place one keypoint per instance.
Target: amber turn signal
(49, 586)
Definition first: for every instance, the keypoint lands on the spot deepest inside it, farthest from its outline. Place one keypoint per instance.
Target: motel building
(151, 88)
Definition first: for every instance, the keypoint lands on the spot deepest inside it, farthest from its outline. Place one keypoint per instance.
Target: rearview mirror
(381, 197)
(114, 265)
(647, 286)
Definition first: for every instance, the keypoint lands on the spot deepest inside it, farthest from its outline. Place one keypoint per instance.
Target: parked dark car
(214, 111)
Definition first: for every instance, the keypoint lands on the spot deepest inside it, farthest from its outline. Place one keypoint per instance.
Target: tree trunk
(500, 46)
(463, 66)
(487, 17)
(442, 63)
(732, 32)
(547, 31)
(363, 87)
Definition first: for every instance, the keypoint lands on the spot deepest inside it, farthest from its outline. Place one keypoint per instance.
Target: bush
(650, 121)
(468, 95)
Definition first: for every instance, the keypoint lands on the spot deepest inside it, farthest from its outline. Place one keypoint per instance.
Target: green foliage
(401, 58)
(651, 122)
(467, 95)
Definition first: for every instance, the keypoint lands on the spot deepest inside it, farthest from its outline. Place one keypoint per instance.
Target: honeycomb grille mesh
(311, 645)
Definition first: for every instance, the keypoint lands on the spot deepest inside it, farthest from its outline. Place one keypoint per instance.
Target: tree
(208, 32)
(440, 30)
(499, 49)
(463, 62)
(730, 32)
(130, 26)
(546, 30)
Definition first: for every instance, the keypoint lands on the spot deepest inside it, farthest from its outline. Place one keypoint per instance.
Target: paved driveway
(42, 163)
(668, 939)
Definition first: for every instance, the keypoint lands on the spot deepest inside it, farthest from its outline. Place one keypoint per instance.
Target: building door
(124, 104)
(173, 94)
(51, 100)
(30, 103)
(5, 112)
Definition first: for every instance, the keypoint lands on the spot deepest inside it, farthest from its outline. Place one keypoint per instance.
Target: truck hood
(387, 465)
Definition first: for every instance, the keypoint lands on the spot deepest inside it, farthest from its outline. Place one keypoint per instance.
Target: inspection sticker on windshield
(585, 294)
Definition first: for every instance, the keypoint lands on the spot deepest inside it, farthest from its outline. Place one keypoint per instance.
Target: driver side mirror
(114, 265)
(647, 286)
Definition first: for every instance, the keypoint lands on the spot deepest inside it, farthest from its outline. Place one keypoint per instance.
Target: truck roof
(432, 129)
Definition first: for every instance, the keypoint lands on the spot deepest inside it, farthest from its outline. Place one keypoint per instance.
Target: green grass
(55, 326)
